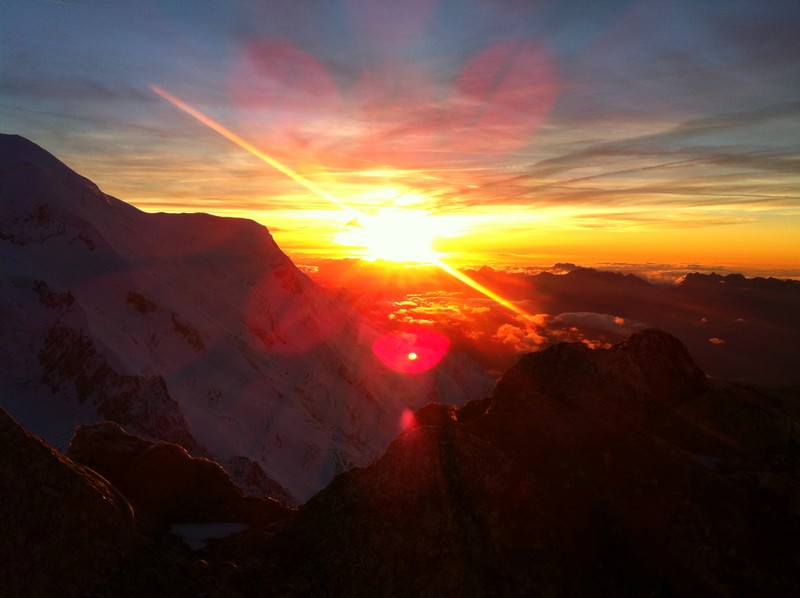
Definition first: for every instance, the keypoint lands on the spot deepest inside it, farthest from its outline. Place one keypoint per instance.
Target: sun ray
(314, 188)
(249, 147)
(482, 289)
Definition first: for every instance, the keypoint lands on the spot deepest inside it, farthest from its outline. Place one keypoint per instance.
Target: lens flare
(407, 420)
(411, 351)
(408, 351)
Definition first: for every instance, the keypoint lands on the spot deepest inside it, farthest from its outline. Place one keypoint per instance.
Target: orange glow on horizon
(386, 237)
(394, 234)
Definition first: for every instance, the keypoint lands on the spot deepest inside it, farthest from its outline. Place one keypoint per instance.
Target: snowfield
(188, 327)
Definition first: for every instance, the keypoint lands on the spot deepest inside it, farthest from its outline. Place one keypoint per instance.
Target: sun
(394, 234)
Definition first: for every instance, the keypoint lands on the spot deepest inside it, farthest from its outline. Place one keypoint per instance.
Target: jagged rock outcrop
(253, 481)
(435, 414)
(579, 476)
(573, 396)
(441, 513)
(166, 483)
(72, 365)
(64, 528)
(586, 473)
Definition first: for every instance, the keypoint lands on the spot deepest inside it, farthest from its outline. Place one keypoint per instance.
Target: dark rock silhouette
(166, 483)
(758, 318)
(586, 473)
(582, 475)
(64, 528)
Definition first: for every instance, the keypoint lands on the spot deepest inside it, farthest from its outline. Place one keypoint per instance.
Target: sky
(509, 133)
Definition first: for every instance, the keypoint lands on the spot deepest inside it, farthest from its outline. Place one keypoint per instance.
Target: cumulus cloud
(524, 337)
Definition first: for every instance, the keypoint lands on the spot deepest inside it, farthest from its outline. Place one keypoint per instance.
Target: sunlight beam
(311, 186)
(249, 147)
(482, 289)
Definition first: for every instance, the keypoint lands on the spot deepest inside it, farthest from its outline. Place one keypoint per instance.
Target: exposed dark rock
(435, 414)
(141, 303)
(167, 483)
(64, 528)
(587, 473)
(72, 365)
(52, 299)
(188, 332)
(253, 481)
(578, 477)
(434, 516)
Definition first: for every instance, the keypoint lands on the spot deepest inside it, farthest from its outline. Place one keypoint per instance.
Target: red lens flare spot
(411, 351)
(407, 420)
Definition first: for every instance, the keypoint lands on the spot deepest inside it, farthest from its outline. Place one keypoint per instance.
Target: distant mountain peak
(698, 280)
(652, 361)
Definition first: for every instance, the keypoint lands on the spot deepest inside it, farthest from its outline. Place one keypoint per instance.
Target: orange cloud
(525, 337)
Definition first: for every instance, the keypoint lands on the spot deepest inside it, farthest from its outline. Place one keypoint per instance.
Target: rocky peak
(577, 477)
(571, 396)
(165, 481)
(64, 528)
(651, 363)
(662, 362)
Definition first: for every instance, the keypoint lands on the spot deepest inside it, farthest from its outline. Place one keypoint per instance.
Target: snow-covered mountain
(190, 328)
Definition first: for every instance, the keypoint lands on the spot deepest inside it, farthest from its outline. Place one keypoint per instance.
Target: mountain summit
(188, 328)
(604, 472)
(587, 473)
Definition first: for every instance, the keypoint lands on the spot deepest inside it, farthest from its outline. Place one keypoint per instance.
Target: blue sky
(643, 116)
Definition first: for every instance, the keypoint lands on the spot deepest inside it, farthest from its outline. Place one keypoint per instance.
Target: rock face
(573, 396)
(73, 367)
(757, 318)
(588, 472)
(64, 528)
(165, 483)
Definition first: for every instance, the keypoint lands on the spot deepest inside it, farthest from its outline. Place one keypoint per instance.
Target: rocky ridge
(65, 528)
(586, 472)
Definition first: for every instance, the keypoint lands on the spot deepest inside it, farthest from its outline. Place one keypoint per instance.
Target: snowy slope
(187, 327)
